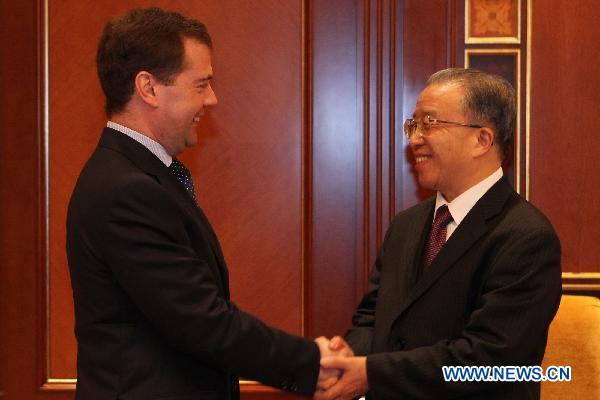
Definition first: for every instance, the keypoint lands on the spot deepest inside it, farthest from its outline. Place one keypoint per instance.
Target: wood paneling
(22, 300)
(302, 148)
(425, 38)
(301, 165)
(247, 164)
(335, 138)
(565, 88)
(370, 63)
(506, 56)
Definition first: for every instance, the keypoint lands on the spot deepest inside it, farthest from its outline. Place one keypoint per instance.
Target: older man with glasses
(470, 277)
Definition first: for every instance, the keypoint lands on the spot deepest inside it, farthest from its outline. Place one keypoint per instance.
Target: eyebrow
(432, 114)
(203, 79)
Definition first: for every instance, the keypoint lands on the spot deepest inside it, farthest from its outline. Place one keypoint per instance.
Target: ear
(145, 87)
(485, 140)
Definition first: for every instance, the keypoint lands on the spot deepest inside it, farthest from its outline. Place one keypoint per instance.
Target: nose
(211, 98)
(416, 137)
(416, 140)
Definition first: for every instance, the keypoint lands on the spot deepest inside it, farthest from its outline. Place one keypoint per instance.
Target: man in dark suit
(150, 285)
(470, 277)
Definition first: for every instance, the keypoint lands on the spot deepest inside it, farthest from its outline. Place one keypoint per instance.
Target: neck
(473, 178)
(131, 121)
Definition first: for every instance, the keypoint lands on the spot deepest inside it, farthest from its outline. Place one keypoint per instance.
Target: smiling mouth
(421, 159)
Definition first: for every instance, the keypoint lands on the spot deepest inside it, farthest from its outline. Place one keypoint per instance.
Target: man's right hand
(337, 347)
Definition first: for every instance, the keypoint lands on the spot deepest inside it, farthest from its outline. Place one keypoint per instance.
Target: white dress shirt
(156, 148)
(460, 206)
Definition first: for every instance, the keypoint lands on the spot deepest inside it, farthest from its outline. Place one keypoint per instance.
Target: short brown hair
(144, 39)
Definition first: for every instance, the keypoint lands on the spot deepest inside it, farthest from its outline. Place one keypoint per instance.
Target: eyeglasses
(423, 125)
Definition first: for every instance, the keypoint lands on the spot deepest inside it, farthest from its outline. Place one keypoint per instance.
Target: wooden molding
(583, 281)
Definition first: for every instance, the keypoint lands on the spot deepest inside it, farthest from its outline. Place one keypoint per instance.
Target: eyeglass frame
(432, 122)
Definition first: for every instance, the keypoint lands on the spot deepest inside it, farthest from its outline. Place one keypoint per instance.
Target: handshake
(342, 375)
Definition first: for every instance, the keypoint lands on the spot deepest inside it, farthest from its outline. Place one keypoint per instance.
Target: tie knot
(177, 166)
(442, 217)
(183, 175)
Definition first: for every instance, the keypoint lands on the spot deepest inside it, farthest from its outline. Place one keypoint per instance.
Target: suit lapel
(399, 281)
(412, 257)
(187, 202)
(196, 213)
(150, 164)
(473, 227)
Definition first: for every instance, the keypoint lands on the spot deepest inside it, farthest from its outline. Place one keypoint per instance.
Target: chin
(426, 183)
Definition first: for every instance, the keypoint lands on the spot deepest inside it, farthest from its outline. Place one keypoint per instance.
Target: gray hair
(489, 99)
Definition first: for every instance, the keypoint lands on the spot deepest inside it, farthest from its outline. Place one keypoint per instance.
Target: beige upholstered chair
(574, 339)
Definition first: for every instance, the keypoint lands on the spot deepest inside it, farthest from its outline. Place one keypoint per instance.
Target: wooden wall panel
(369, 66)
(255, 140)
(380, 52)
(504, 55)
(301, 165)
(335, 165)
(247, 164)
(20, 222)
(565, 88)
(19, 200)
(351, 192)
(425, 38)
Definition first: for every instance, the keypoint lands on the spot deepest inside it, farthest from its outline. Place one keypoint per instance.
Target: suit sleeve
(149, 250)
(360, 336)
(518, 301)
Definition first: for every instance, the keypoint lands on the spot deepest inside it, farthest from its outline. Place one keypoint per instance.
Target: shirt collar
(152, 145)
(460, 206)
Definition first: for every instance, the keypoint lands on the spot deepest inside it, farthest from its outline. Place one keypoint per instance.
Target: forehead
(197, 57)
(444, 98)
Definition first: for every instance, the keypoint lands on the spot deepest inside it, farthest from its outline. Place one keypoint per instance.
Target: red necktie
(437, 236)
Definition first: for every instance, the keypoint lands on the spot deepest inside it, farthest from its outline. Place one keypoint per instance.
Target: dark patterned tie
(437, 236)
(183, 176)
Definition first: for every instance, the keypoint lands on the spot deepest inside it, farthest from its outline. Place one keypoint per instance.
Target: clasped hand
(342, 375)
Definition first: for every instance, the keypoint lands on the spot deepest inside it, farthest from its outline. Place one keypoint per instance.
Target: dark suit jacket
(150, 285)
(487, 299)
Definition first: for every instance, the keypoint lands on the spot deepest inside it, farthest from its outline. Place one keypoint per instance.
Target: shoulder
(415, 214)
(419, 209)
(108, 169)
(522, 234)
(523, 216)
(410, 222)
(110, 179)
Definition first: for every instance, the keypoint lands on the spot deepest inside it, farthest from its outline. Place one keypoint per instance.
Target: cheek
(452, 152)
